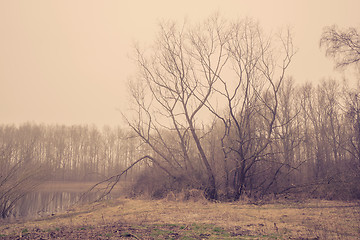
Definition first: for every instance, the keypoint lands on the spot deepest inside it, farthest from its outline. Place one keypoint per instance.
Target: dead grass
(316, 219)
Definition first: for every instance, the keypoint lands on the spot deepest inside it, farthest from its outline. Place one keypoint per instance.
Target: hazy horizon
(68, 62)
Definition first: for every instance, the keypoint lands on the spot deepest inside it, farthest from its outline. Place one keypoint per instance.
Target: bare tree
(352, 124)
(190, 71)
(342, 45)
(178, 83)
(20, 173)
(251, 95)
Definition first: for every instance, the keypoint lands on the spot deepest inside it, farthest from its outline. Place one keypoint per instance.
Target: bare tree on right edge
(342, 45)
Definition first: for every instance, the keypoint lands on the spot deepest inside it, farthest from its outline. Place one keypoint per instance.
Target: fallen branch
(113, 180)
(110, 183)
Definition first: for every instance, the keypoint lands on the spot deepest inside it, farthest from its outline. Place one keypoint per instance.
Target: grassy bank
(161, 219)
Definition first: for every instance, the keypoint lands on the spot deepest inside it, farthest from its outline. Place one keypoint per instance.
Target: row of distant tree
(314, 145)
(73, 153)
(31, 154)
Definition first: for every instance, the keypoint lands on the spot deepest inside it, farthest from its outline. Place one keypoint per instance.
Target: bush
(156, 184)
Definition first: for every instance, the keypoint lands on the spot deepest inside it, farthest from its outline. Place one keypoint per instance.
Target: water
(58, 196)
(38, 204)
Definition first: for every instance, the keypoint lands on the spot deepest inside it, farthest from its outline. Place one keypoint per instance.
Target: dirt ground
(165, 219)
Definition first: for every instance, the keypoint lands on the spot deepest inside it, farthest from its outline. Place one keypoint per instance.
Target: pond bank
(55, 196)
(144, 218)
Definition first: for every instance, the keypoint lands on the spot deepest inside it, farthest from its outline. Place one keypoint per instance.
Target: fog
(69, 62)
(158, 99)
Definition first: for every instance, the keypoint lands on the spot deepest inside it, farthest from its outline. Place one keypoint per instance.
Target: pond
(38, 204)
(53, 198)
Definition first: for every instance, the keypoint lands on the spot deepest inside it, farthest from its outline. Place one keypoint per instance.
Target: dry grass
(283, 220)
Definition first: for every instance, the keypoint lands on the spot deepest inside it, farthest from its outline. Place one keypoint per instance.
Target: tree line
(215, 105)
(31, 154)
(312, 149)
(73, 153)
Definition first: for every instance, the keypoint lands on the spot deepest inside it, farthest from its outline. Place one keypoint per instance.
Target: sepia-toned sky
(68, 61)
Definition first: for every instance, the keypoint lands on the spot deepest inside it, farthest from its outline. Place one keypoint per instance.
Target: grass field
(162, 219)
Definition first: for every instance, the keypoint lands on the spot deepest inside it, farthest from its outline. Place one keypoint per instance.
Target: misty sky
(68, 61)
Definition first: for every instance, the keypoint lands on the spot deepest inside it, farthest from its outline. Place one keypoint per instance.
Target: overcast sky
(67, 61)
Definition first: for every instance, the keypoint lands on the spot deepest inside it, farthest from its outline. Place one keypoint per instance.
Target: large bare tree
(229, 70)
(170, 94)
